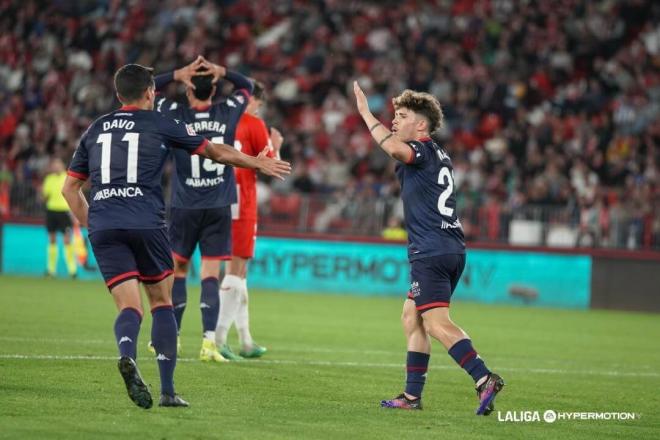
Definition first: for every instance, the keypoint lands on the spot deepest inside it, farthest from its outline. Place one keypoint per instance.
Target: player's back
(201, 183)
(427, 191)
(123, 154)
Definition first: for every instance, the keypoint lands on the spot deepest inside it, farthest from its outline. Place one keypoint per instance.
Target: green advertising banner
(492, 276)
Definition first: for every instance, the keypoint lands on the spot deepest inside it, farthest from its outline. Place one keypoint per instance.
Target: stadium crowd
(550, 105)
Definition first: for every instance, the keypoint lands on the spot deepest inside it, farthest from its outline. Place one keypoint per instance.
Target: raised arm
(239, 81)
(396, 148)
(183, 75)
(72, 192)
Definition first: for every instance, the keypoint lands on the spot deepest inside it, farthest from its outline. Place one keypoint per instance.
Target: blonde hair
(423, 104)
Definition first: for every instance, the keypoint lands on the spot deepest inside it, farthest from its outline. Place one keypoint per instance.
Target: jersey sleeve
(418, 153)
(79, 167)
(166, 106)
(176, 134)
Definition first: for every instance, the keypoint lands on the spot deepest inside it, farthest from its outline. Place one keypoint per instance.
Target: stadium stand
(552, 109)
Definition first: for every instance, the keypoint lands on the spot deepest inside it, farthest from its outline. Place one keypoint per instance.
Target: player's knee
(436, 320)
(409, 320)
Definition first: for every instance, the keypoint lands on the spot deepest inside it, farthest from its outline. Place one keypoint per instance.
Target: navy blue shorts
(124, 254)
(433, 280)
(211, 228)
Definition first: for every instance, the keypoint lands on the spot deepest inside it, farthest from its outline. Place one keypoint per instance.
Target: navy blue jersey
(201, 183)
(123, 153)
(429, 205)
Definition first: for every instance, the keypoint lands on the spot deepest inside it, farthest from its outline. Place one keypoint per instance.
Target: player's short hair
(259, 90)
(423, 104)
(203, 86)
(132, 80)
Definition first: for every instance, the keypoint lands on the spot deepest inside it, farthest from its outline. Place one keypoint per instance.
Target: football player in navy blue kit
(202, 190)
(436, 246)
(123, 154)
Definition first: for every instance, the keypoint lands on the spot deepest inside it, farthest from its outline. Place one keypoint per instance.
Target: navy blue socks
(179, 298)
(416, 366)
(127, 328)
(466, 356)
(210, 304)
(163, 338)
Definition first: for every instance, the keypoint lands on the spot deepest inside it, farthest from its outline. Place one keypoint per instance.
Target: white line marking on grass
(341, 364)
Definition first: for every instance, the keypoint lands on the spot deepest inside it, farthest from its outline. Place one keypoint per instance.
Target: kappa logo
(162, 357)
(125, 339)
(204, 306)
(231, 103)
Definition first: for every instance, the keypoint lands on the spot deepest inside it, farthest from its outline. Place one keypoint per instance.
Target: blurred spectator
(547, 104)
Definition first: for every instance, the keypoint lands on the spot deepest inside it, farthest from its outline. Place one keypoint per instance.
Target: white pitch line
(345, 364)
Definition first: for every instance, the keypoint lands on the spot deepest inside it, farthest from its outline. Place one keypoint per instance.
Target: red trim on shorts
(167, 306)
(216, 257)
(467, 357)
(160, 277)
(410, 295)
(181, 258)
(121, 277)
(79, 176)
(200, 149)
(432, 305)
(135, 310)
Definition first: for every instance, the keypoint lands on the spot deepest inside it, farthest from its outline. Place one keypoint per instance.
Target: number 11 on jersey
(105, 139)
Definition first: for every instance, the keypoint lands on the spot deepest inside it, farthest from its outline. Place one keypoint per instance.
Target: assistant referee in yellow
(58, 218)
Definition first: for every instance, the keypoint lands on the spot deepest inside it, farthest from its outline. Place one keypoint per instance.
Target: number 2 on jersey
(208, 164)
(105, 139)
(445, 178)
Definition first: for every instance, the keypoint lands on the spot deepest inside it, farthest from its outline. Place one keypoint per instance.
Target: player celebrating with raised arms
(436, 247)
(123, 153)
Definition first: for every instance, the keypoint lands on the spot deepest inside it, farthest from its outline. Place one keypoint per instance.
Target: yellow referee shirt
(52, 191)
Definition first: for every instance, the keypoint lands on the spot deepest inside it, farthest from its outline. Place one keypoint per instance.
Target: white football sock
(230, 297)
(243, 318)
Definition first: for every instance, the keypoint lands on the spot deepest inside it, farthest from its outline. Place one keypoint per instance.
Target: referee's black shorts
(58, 221)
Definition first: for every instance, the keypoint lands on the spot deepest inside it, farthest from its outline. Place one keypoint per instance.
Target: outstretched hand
(360, 99)
(272, 167)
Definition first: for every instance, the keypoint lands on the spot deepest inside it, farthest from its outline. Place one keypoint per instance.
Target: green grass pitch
(332, 358)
